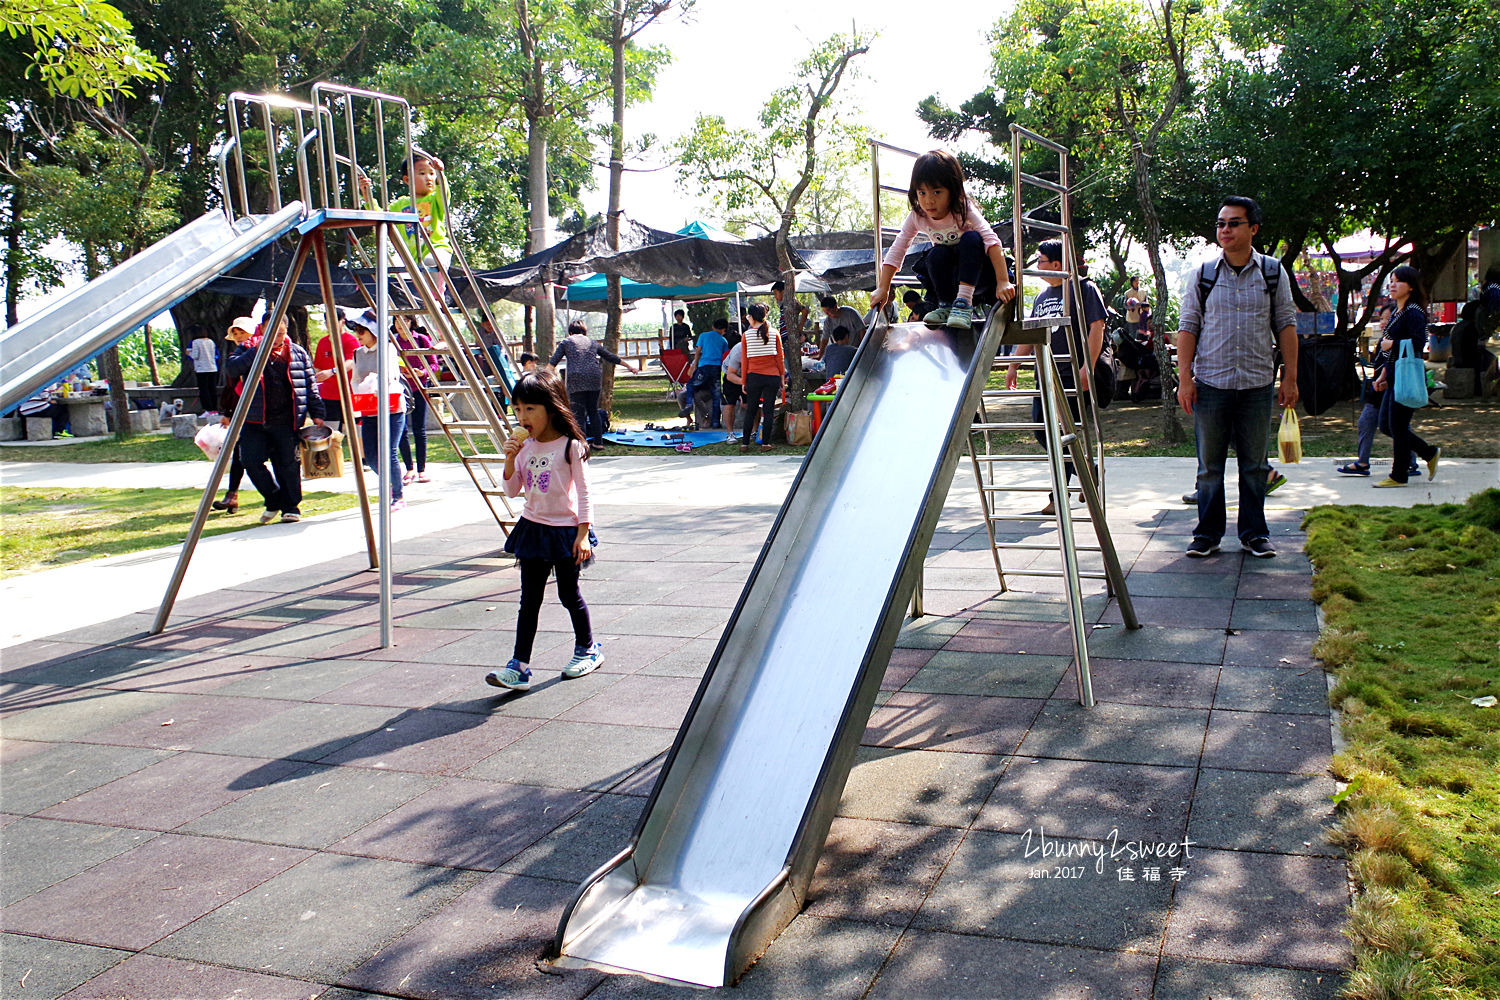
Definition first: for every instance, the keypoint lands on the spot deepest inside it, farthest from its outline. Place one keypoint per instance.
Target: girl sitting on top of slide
(961, 240)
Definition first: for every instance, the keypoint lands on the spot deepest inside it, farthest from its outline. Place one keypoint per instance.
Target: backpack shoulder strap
(1270, 267)
(1208, 276)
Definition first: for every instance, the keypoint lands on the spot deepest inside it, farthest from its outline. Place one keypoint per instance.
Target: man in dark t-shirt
(682, 334)
(1088, 330)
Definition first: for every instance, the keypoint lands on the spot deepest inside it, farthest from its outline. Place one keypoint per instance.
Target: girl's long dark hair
(1413, 279)
(939, 169)
(757, 312)
(543, 388)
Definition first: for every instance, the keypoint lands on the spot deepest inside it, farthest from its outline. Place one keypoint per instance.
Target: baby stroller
(1137, 372)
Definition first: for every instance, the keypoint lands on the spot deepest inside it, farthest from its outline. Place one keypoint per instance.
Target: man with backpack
(1236, 310)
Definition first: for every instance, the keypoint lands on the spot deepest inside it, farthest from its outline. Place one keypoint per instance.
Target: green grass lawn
(1129, 429)
(42, 528)
(1412, 604)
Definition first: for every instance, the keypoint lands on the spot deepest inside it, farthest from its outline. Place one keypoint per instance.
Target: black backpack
(1270, 269)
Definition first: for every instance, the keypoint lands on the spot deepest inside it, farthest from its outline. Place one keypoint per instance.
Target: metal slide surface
(723, 855)
(89, 319)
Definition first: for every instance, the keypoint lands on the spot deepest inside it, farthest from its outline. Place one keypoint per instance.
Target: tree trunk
(151, 355)
(615, 301)
(536, 149)
(109, 367)
(528, 344)
(15, 266)
(210, 310)
(796, 386)
(1171, 426)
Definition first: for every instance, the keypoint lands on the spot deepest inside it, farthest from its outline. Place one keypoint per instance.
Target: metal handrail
(222, 160)
(266, 103)
(324, 95)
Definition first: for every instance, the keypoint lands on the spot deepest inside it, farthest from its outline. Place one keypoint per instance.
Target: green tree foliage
(529, 70)
(1342, 115)
(81, 48)
(100, 198)
(1108, 79)
(751, 173)
(765, 173)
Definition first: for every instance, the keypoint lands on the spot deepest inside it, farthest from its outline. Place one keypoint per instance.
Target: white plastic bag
(210, 439)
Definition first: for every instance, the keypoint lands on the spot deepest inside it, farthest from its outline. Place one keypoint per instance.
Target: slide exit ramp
(90, 319)
(722, 858)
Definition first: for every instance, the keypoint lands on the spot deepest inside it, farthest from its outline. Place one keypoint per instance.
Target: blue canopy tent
(595, 287)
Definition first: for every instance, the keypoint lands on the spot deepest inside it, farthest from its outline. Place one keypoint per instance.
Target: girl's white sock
(966, 292)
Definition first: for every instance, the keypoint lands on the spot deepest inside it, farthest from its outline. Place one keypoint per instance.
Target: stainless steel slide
(87, 320)
(724, 853)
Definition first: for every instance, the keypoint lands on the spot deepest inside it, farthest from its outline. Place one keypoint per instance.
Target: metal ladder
(467, 409)
(1067, 440)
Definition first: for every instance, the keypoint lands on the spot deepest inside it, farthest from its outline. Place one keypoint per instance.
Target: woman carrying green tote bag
(1407, 328)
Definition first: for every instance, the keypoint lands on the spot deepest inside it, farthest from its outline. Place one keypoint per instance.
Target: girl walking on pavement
(548, 458)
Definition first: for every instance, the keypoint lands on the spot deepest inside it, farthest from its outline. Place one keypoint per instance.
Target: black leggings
(946, 266)
(236, 470)
(1395, 420)
(534, 573)
(416, 423)
(760, 393)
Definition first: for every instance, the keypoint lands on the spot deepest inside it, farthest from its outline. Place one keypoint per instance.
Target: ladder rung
(1055, 574)
(1045, 322)
(483, 457)
(467, 425)
(1042, 182)
(1019, 426)
(1038, 547)
(1009, 458)
(1049, 518)
(1046, 227)
(1017, 489)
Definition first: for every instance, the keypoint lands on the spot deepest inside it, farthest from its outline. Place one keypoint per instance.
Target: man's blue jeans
(706, 377)
(1241, 417)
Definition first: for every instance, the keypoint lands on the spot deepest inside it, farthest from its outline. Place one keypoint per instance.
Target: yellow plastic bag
(1289, 438)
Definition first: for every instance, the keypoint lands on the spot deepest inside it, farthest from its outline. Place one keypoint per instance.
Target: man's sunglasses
(1230, 223)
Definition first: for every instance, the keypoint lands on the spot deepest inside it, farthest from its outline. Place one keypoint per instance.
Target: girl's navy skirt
(553, 543)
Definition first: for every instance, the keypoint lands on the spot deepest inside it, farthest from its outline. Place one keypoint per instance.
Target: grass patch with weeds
(1411, 599)
(43, 527)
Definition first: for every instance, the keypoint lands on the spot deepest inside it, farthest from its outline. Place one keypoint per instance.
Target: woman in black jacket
(1408, 323)
(285, 397)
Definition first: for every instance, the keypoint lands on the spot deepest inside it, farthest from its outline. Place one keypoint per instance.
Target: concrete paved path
(264, 803)
(40, 604)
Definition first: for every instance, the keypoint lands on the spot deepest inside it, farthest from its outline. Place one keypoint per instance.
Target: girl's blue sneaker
(514, 676)
(961, 316)
(584, 661)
